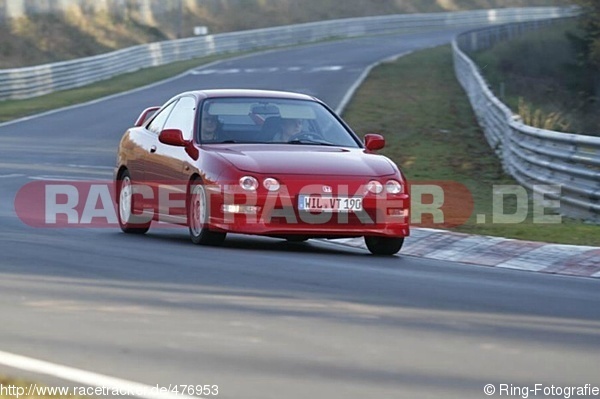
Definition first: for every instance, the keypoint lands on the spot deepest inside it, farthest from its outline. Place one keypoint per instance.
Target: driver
(289, 128)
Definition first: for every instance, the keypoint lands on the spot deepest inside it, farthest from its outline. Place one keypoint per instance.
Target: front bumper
(278, 215)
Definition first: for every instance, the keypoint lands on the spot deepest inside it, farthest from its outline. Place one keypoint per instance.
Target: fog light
(241, 209)
(398, 212)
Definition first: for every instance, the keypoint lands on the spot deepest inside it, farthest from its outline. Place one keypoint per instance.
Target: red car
(258, 162)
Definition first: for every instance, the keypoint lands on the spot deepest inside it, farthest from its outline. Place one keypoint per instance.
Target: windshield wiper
(312, 142)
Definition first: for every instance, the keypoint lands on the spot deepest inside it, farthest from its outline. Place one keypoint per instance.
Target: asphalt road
(258, 317)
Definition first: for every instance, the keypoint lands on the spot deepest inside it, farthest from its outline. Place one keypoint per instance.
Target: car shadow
(258, 243)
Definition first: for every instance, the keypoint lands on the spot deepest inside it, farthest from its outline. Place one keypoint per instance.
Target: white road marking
(85, 377)
(332, 68)
(91, 167)
(203, 72)
(261, 70)
(228, 71)
(11, 176)
(64, 178)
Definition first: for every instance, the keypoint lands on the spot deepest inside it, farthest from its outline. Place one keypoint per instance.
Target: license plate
(315, 203)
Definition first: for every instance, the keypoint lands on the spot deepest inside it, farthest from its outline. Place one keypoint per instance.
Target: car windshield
(271, 121)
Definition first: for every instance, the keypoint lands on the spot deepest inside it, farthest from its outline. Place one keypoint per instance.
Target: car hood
(304, 159)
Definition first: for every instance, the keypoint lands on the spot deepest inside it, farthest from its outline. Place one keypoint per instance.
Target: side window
(182, 117)
(156, 126)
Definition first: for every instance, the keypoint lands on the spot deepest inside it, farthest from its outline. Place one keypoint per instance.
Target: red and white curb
(506, 253)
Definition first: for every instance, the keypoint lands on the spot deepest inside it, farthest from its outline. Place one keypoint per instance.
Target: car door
(141, 141)
(168, 167)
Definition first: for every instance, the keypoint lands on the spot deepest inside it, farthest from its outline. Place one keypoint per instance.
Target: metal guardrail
(21, 83)
(536, 158)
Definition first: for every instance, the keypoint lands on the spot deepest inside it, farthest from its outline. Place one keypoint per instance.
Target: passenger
(211, 127)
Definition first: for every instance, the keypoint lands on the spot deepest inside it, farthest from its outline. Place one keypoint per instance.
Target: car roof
(225, 93)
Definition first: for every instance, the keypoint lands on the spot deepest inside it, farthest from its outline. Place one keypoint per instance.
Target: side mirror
(144, 115)
(172, 137)
(374, 142)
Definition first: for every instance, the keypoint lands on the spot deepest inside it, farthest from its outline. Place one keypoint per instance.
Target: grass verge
(432, 134)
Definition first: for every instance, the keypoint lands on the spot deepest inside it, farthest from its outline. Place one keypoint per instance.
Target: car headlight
(375, 187)
(271, 184)
(393, 187)
(249, 183)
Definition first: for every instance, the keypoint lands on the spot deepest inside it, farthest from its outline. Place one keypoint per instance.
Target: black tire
(197, 214)
(384, 246)
(129, 223)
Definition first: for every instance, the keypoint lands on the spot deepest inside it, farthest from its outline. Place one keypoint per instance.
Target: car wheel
(384, 245)
(198, 213)
(129, 223)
